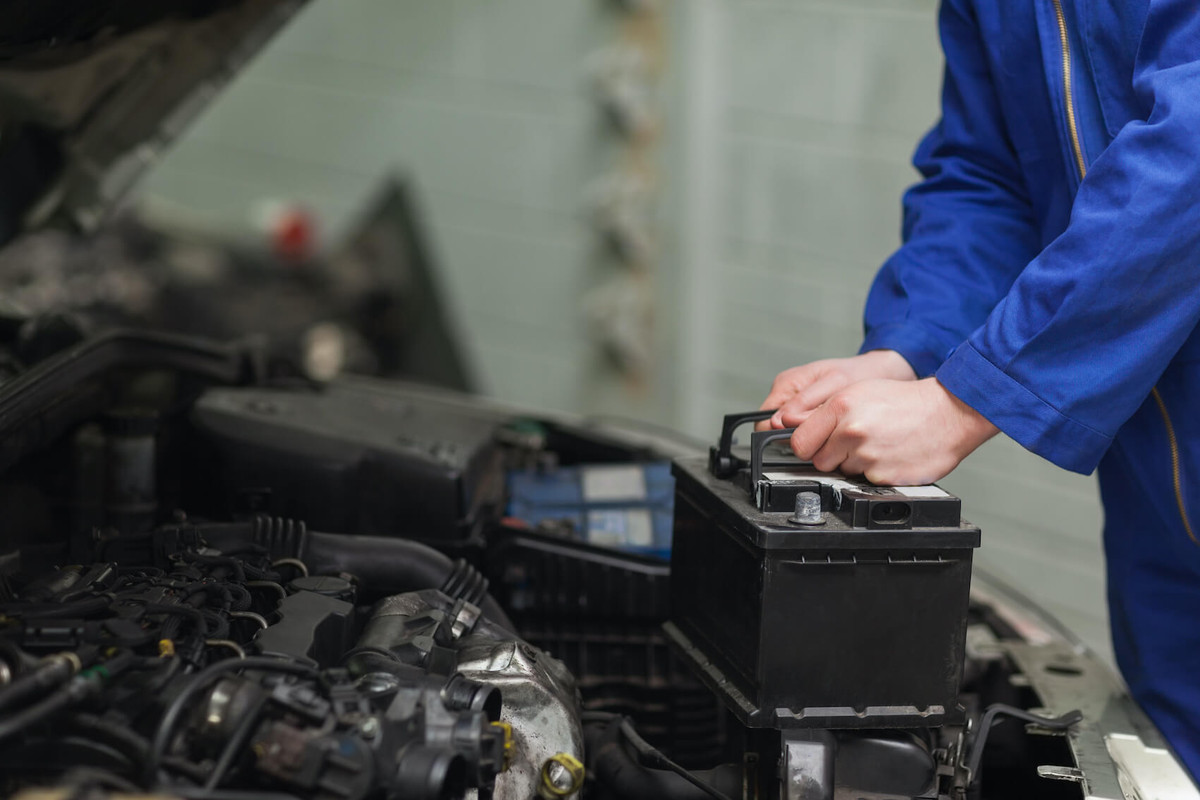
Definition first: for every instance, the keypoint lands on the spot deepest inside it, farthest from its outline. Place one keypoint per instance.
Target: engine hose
(385, 566)
(53, 672)
(83, 686)
(233, 746)
(80, 609)
(178, 610)
(128, 743)
(466, 582)
(218, 624)
(239, 570)
(221, 592)
(622, 776)
(241, 598)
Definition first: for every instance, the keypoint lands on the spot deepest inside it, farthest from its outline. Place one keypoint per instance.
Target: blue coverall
(1050, 278)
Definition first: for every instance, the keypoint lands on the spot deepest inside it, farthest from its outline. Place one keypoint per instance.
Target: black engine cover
(357, 456)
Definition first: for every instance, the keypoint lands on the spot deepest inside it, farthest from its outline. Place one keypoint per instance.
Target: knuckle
(867, 466)
(855, 431)
(840, 404)
(879, 473)
(825, 463)
(789, 376)
(803, 399)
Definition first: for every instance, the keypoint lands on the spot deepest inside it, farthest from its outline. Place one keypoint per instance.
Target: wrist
(888, 364)
(974, 428)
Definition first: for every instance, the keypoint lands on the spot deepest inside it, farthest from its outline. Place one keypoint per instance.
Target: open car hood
(91, 93)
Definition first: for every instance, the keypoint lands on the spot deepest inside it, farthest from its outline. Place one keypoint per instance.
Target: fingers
(812, 435)
(806, 400)
(766, 424)
(787, 383)
(894, 432)
(799, 390)
(783, 390)
(834, 454)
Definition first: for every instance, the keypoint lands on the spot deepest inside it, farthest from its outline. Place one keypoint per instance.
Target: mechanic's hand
(798, 391)
(898, 433)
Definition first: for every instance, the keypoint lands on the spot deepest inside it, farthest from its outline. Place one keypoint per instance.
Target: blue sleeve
(1080, 339)
(969, 227)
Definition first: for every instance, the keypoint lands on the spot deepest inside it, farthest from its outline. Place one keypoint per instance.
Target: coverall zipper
(1068, 97)
(1077, 151)
(1175, 471)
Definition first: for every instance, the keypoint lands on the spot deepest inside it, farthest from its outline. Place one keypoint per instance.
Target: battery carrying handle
(721, 461)
(758, 445)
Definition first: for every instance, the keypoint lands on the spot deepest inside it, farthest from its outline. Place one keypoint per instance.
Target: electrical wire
(121, 738)
(999, 709)
(242, 600)
(233, 746)
(172, 665)
(179, 611)
(54, 671)
(213, 588)
(73, 692)
(649, 752)
(184, 767)
(218, 624)
(239, 568)
(658, 758)
(81, 687)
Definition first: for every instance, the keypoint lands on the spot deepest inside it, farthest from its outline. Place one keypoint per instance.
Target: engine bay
(220, 582)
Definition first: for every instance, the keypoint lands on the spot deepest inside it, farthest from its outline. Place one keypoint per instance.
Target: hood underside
(92, 92)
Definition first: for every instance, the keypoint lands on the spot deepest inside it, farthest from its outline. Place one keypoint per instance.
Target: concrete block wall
(789, 128)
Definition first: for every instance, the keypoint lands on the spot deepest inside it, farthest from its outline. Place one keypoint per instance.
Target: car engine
(308, 711)
(220, 582)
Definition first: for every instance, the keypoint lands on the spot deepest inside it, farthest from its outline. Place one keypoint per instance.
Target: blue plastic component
(628, 507)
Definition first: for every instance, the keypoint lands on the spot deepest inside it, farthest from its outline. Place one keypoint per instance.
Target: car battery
(808, 599)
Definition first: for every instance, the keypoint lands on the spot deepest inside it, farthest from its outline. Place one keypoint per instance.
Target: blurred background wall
(644, 209)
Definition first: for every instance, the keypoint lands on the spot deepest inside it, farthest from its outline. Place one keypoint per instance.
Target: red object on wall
(294, 235)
